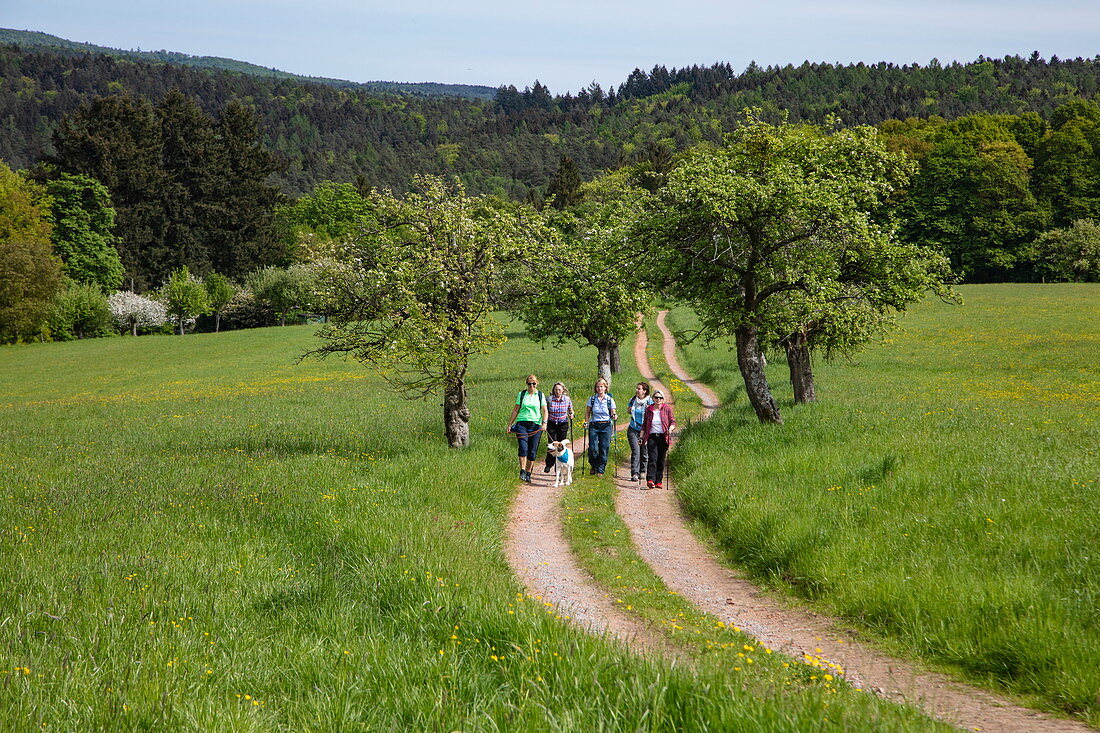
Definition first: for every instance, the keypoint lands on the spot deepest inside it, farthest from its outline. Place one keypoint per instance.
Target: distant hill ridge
(37, 39)
(512, 143)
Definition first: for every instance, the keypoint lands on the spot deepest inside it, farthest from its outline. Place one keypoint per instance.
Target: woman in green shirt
(527, 423)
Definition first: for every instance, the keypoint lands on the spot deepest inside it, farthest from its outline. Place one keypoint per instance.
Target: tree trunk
(217, 322)
(133, 329)
(616, 363)
(750, 361)
(802, 371)
(181, 326)
(456, 413)
(282, 320)
(603, 360)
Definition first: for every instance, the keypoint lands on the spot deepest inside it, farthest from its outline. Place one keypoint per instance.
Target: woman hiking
(559, 406)
(527, 422)
(656, 433)
(599, 418)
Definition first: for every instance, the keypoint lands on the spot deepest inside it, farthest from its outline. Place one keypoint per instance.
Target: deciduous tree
(83, 236)
(284, 288)
(592, 288)
(132, 311)
(780, 209)
(413, 295)
(1070, 254)
(184, 297)
(220, 291)
(80, 311)
(30, 274)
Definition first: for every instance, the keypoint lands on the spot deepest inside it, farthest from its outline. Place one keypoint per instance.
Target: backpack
(519, 397)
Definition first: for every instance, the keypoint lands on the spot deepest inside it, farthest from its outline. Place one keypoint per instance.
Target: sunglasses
(532, 384)
(658, 397)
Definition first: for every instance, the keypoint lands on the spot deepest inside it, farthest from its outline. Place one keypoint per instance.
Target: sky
(566, 44)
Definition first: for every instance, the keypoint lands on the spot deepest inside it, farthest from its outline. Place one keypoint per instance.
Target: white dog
(563, 462)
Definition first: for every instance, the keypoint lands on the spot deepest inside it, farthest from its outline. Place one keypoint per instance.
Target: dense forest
(513, 144)
(44, 41)
(168, 179)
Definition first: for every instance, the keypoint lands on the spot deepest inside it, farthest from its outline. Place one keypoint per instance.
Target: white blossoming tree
(132, 311)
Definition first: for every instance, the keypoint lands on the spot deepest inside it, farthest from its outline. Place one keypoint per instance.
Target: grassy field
(943, 493)
(198, 533)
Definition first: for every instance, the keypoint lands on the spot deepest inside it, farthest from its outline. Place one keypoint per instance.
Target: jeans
(658, 447)
(639, 452)
(528, 436)
(555, 431)
(599, 443)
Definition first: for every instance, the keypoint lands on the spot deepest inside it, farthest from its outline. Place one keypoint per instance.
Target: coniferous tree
(565, 186)
(116, 141)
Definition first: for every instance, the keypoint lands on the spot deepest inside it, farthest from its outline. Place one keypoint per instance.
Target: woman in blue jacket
(637, 405)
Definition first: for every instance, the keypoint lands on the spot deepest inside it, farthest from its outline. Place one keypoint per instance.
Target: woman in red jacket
(656, 431)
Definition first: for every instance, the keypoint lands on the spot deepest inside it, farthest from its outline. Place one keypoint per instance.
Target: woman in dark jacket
(656, 432)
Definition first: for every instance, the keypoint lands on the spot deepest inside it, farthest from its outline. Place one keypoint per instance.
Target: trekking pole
(584, 453)
(668, 471)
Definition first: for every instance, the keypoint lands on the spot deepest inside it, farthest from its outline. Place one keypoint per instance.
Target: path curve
(663, 539)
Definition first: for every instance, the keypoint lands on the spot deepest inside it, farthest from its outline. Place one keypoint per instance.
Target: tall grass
(943, 493)
(198, 533)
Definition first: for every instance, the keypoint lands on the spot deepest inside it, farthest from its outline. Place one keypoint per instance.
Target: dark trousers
(555, 431)
(656, 447)
(528, 435)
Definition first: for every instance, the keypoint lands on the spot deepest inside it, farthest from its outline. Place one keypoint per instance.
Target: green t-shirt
(530, 406)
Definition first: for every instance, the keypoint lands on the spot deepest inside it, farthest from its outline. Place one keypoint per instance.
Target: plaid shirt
(558, 407)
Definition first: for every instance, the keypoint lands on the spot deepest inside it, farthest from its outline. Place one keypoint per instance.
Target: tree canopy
(592, 288)
(413, 294)
(781, 210)
(30, 274)
(83, 236)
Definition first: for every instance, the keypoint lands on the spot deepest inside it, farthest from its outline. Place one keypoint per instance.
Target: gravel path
(662, 537)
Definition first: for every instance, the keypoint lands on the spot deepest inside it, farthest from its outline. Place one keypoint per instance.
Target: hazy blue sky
(565, 44)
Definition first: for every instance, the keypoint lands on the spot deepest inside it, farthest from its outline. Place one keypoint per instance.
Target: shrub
(244, 310)
(80, 311)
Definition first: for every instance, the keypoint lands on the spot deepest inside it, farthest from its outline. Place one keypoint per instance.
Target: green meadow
(943, 494)
(199, 533)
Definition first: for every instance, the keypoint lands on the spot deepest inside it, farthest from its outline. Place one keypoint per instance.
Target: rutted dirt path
(539, 555)
(661, 535)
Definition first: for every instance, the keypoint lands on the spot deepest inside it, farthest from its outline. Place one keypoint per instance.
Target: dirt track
(540, 556)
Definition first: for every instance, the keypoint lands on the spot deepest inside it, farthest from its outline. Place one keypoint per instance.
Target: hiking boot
(649, 484)
(634, 477)
(657, 485)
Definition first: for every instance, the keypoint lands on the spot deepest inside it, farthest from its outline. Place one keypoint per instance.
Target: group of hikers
(649, 433)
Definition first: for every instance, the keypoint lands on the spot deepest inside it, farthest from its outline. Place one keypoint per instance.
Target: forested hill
(45, 41)
(513, 144)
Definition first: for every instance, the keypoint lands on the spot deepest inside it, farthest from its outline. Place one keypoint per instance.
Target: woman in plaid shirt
(559, 406)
